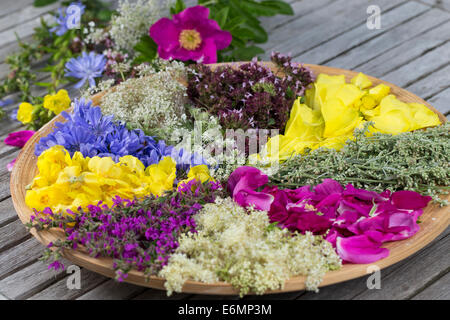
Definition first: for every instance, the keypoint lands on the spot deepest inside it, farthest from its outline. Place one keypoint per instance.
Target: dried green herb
(418, 161)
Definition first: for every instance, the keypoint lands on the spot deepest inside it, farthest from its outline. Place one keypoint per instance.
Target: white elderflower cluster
(154, 102)
(242, 248)
(134, 20)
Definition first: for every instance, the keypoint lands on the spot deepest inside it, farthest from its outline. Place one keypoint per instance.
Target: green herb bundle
(418, 161)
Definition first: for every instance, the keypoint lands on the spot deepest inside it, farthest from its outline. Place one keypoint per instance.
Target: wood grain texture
(60, 291)
(435, 219)
(439, 290)
(353, 38)
(29, 280)
(386, 41)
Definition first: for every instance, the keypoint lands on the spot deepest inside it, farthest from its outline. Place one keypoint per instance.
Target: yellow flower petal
(423, 116)
(339, 119)
(25, 112)
(361, 81)
(57, 102)
(304, 123)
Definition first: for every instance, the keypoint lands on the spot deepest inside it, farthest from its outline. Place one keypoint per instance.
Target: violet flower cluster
(139, 233)
(249, 95)
(93, 134)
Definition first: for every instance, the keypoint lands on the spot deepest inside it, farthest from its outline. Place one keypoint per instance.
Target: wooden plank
(439, 290)
(19, 256)
(323, 25)
(443, 4)
(12, 234)
(30, 280)
(407, 51)
(441, 101)
(60, 290)
(349, 289)
(7, 212)
(420, 67)
(432, 84)
(360, 34)
(113, 290)
(5, 175)
(154, 294)
(414, 274)
(24, 15)
(387, 41)
(11, 48)
(9, 6)
(22, 30)
(301, 8)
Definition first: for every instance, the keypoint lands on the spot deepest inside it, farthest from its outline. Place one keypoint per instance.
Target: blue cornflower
(86, 67)
(64, 16)
(93, 134)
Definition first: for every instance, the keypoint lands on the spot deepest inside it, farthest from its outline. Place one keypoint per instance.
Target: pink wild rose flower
(190, 35)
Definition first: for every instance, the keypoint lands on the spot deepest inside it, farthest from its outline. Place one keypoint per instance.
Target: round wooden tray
(434, 219)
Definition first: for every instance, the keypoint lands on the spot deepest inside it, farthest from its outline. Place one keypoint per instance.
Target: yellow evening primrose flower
(25, 112)
(57, 102)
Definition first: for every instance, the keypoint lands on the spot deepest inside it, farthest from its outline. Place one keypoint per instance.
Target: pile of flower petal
(90, 132)
(332, 109)
(67, 182)
(357, 222)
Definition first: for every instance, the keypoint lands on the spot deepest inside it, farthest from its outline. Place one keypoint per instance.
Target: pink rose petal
(360, 249)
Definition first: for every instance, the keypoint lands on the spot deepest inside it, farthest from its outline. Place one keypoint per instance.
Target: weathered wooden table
(411, 49)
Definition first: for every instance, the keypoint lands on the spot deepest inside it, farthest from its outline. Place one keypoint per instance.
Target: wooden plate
(434, 219)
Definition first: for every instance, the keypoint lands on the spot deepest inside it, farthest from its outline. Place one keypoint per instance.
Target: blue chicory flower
(63, 17)
(93, 134)
(86, 67)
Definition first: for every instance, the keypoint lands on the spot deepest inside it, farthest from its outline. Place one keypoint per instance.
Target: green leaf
(221, 16)
(104, 15)
(259, 8)
(147, 50)
(43, 3)
(178, 7)
(44, 84)
(283, 7)
(246, 53)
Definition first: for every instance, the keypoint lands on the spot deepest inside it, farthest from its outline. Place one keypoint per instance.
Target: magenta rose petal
(406, 222)
(194, 13)
(409, 200)
(165, 34)
(328, 186)
(208, 53)
(19, 138)
(360, 249)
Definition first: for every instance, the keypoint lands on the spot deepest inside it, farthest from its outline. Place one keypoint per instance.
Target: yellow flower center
(190, 39)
